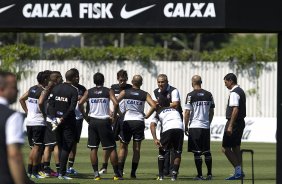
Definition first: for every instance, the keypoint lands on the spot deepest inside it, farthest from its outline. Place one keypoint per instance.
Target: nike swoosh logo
(128, 14)
(6, 8)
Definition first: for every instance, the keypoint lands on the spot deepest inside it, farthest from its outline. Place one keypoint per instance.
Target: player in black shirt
(62, 102)
(78, 126)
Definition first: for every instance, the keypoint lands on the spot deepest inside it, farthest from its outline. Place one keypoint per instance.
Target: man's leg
(94, 162)
(114, 161)
(123, 150)
(104, 167)
(135, 158)
(208, 161)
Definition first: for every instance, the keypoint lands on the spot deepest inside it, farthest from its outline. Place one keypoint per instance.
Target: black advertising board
(113, 15)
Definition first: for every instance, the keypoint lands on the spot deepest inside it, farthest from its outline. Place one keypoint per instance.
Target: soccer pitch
(264, 165)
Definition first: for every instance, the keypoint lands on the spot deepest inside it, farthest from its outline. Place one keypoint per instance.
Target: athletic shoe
(36, 176)
(199, 178)
(133, 176)
(96, 178)
(71, 170)
(103, 171)
(60, 177)
(41, 173)
(160, 178)
(236, 176)
(118, 178)
(209, 177)
(54, 174)
(173, 175)
(97, 175)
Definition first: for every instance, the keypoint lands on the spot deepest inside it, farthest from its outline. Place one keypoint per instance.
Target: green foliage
(243, 56)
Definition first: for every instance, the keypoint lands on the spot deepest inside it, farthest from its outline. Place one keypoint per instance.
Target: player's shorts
(78, 128)
(100, 130)
(199, 140)
(35, 135)
(50, 136)
(133, 129)
(172, 139)
(235, 138)
(65, 134)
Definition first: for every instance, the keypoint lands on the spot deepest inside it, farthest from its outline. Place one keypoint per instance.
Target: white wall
(262, 104)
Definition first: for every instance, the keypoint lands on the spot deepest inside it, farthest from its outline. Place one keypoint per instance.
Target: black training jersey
(117, 89)
(199, 103)
(81, 90)
(99, 102)
(242, 104)
(134, 101)
(62, 101)
(34, 115)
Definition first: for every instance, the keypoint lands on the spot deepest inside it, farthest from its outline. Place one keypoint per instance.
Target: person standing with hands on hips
(235, 114)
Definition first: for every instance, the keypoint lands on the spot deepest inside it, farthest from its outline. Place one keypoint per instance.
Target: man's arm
(83, 99)
(234, 115)
(22, 101)
(151, 102)
(153, 132)
(16, 165)
(115, 103)
(121, 96)
(186, 120)
(211, 113)
(175, 98)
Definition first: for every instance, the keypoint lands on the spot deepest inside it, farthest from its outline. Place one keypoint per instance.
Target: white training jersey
(169, 118)
(99, 102)
(199, 102)
(34, 115)
(134, 101)
(81, 89)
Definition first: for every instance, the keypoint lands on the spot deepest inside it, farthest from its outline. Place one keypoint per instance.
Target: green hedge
(244, 56)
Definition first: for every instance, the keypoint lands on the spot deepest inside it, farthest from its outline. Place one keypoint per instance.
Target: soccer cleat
(96, 178)
(103, 171)
(133, 176)
(60, 177)
(41, 173)
(209, 177)
(71, 170)
(235, 177)
(118, 178)
(54, 174)
(173, 175)
(36, 176)
(160, 178)
(199, 178)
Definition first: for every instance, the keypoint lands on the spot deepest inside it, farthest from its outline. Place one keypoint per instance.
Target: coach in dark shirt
(11, 133)
(62, 102)
(235, 114)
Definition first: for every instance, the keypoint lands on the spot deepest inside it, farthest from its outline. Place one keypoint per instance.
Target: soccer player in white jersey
(171, 135)
(133, 123)
(198, 115)
(35, 124)
(99, 119)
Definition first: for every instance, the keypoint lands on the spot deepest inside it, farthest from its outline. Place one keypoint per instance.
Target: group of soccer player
(55, 112)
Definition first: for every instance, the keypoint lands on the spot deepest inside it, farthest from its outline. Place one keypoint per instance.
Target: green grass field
(264, 166)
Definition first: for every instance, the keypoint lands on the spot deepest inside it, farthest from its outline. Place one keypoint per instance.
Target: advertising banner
(103, 14)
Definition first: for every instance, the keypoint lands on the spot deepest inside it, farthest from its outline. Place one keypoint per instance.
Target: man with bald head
(172, 94)
(61, 110)
(11, 134)
(198, 115)
(133, 125)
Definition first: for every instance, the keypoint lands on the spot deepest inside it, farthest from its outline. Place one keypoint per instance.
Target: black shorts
(78, 128)
(50, 136)
(199, 140)
(65, 134)
(172, 139)
(35, 135)
(133, 129)
(100, 130)
(235, 138)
